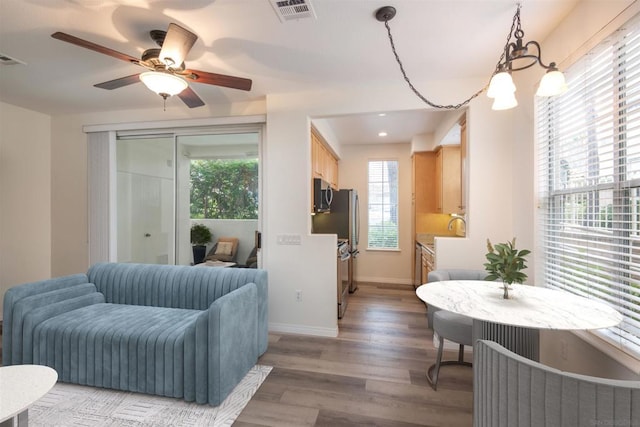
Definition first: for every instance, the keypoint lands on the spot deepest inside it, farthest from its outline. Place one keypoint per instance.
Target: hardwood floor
(372, 374)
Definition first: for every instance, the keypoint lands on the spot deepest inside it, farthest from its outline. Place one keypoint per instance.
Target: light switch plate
(289, 239)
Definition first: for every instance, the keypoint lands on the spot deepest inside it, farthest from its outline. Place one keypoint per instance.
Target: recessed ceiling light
(382, 114)
(382, 134)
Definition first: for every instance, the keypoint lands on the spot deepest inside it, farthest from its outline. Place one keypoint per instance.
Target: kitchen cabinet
(448, 180)
(423, 192)
(428, 261)
(422, 202)
(324, 163)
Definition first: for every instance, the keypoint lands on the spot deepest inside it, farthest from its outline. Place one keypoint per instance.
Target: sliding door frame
(101, 170)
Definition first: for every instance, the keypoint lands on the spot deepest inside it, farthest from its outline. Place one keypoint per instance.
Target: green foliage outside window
(224, 189)
(384, 235)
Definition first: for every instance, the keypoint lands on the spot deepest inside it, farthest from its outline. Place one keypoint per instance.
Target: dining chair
(511, 390)
(440, 275)
(450, 326)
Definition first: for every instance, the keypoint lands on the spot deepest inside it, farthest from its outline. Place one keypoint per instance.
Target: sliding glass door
(218, 186)
(145, 199)
(166, 182)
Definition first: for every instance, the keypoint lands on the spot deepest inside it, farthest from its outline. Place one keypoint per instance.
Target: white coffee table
(20, 387)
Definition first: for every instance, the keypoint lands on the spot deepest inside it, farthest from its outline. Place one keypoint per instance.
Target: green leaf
(505, 262)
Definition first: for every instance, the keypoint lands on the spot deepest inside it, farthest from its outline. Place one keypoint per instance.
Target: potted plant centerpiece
(200, 236)
(506, 263)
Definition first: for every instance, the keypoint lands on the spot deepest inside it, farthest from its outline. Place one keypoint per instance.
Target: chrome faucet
(450, 225)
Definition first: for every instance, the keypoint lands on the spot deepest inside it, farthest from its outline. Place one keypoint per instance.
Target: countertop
(425, 240)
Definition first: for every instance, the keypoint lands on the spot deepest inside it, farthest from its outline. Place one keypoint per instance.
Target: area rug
(75, 405)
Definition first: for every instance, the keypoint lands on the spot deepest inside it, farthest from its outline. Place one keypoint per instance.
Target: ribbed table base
(522, 341)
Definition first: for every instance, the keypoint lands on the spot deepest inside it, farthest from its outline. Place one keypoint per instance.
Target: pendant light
(516, 55)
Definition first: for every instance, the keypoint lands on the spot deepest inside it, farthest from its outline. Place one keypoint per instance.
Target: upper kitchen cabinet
(324, 163)
(423, 164)
(448, 180)
(450, 170)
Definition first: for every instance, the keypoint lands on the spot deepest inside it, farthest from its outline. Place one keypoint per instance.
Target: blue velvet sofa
(176, 331)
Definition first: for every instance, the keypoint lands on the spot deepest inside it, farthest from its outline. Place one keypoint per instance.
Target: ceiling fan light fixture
(164, 84)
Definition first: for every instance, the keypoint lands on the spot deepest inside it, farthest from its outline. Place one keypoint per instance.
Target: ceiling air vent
(288, 10)
(7, 60)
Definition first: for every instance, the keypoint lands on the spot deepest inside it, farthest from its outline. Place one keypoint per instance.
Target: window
(224, 189)
(589, 164)
(383, 204)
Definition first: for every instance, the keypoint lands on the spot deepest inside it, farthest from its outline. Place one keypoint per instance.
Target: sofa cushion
(224, 248)
(125, 347)
(35, 317)
(31, 303)
(15, 294)
(170, 285)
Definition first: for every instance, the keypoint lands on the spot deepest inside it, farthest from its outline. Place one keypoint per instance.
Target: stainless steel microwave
(322, 195)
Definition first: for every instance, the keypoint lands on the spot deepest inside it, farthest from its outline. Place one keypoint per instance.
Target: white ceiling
(344, 46)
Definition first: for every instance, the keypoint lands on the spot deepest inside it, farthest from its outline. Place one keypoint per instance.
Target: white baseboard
(378, 279)
(303, 330)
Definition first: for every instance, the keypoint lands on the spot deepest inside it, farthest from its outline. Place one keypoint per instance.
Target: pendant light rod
(518, 50)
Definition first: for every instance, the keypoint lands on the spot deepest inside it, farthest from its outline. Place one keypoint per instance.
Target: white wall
(25, 196)
(375, 265)
(489, 207)
(311, 266)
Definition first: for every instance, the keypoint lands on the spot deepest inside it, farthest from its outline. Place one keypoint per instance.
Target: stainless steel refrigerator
(343, 220)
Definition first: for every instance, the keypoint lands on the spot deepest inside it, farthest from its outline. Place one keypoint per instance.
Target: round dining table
(515, 322)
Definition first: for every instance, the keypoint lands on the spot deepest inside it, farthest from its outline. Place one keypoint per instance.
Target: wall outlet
(299, 295)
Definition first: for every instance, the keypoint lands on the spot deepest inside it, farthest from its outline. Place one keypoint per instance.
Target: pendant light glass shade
(505, 101)
(163, 84)
(501, 85)
(552, 84)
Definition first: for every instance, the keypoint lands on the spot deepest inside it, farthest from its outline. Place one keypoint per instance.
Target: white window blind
(589, 188)
(383, 204)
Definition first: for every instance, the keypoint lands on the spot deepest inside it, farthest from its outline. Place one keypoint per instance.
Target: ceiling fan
(167, 74)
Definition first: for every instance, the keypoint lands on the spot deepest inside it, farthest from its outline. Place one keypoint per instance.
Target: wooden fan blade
(190, 98)
(217, 79)
(123, 81)
(95, 47)
(177, 43)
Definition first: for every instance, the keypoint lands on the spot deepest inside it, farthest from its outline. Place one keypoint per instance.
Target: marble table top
(21, 386)
(528, 306)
